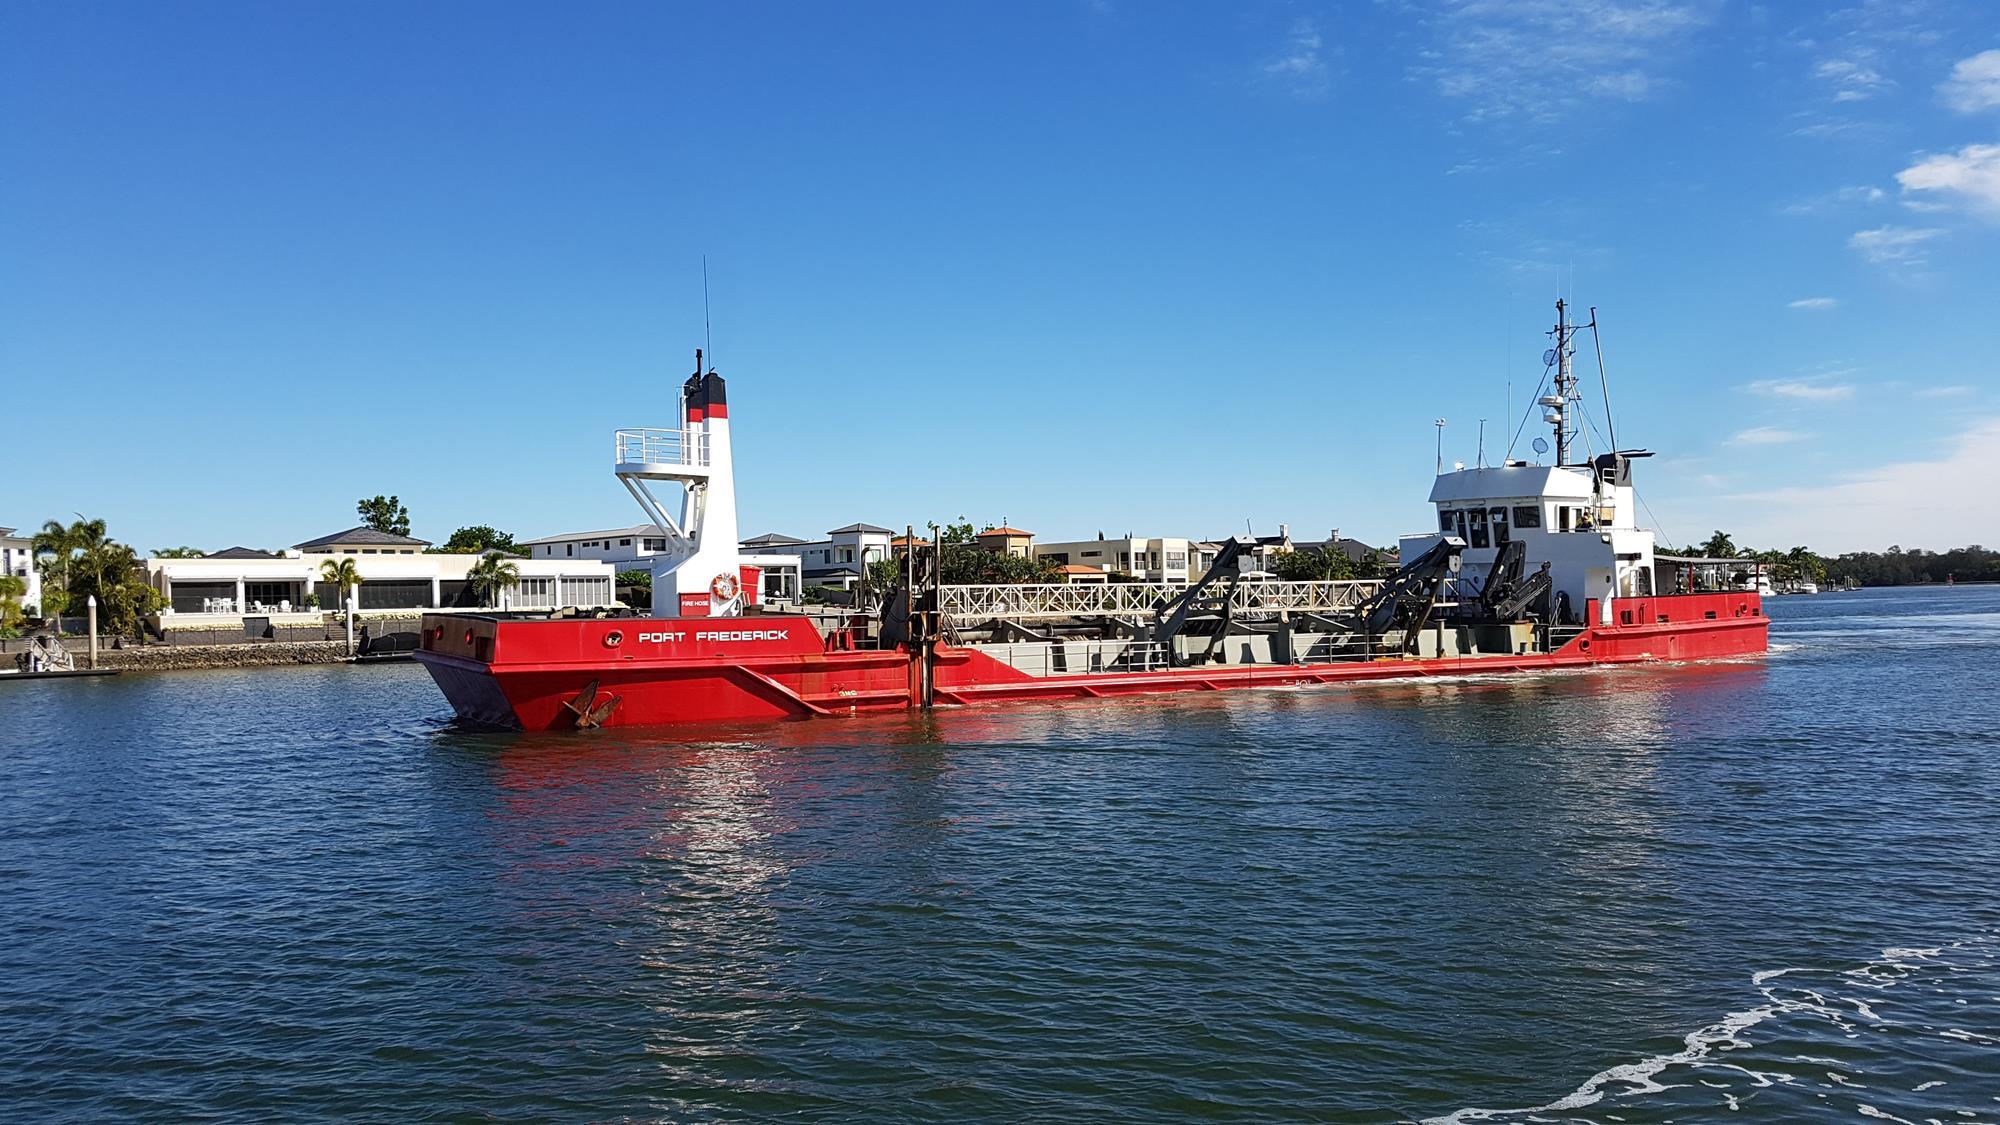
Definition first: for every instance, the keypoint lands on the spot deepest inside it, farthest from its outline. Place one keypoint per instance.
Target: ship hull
(542, 675)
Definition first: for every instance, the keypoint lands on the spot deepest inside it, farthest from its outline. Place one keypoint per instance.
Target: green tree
(343, 576)
(1314, 564)
(477, 540)
(492, 575)
(12, 590)
(180, 553)
(961, 561)
(62, 554)
(1719, 546)
(384, 513)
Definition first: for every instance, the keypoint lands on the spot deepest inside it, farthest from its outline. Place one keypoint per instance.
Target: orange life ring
(724, 587)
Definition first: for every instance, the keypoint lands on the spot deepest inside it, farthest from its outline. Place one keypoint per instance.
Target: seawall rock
(168, 658)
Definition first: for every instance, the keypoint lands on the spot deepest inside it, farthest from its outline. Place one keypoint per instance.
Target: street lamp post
(91, 604)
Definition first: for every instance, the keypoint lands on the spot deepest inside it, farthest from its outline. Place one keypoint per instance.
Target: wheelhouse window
(1447, 521)
(1476, 525)
(1527, 515)
(1498, 517)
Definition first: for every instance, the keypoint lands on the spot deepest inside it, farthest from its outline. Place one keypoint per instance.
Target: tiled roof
(362, 535)
(637, 530)
(1005, 531)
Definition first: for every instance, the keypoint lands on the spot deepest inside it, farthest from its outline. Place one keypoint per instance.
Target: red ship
(1531, 567)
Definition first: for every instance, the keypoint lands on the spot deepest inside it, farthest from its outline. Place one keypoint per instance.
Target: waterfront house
(627, 548)
(396, 578)
(1007, 541)
(1132, 558)
(17, 557)
(838, 560)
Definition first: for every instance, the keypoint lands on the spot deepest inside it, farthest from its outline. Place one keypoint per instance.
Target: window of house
(1093, 554)
(847, 554)
(568, 550)
(1060, 558)
(624, 542)
(1176, 560)
(656, 544)
(1527, 515)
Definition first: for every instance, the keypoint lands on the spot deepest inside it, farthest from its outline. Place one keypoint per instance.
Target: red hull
(522, 674)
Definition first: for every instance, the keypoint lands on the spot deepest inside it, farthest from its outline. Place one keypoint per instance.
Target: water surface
(1637, 895)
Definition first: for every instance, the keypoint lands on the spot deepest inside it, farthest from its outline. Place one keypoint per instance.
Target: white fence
(1138, 599)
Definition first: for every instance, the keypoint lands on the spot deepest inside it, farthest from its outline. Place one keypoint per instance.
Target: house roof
(242, 553)
(1005, 531)
(636, 530)
(1079, 568)
(864, 528)
(362, 535)
(772, 539)
(907, 540)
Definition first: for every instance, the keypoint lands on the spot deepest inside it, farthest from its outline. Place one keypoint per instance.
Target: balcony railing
(662, 447)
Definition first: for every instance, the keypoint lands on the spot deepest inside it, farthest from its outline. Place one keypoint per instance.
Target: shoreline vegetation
(1893, 567)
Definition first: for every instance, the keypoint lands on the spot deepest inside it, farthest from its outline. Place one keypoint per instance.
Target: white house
(627, 548)
(17, 557)
(838, 560)
(395, 577)
(1161, 559)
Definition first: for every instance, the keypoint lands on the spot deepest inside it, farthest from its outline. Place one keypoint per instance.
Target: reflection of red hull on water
(533, 675)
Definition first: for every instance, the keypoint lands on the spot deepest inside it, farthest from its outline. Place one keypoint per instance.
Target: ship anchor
(590, 714)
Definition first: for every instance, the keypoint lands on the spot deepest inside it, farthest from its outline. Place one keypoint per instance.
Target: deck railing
(662, 447)
(969, 604)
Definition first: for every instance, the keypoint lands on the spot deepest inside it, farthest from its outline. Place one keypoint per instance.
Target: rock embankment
(168, 658)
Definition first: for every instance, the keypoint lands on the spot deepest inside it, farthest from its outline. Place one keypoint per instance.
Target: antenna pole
(1480, 460)
(1440, 425)
(707, 337)
(1565, 381)
(1603, 383)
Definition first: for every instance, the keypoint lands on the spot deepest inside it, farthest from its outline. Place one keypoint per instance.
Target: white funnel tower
(700, 572)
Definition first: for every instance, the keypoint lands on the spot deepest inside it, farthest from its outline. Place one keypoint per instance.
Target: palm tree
(491, 575)
(342, 575)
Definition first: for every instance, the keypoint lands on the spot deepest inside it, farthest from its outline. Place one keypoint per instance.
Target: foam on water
(1802, 1005)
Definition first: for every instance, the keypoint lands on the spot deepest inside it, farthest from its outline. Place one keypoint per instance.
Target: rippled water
(1641, 895)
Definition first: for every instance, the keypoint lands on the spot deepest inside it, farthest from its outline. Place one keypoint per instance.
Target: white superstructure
(699, 573)
(1575, 515)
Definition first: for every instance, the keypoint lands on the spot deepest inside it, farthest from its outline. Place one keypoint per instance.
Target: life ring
(725, 587)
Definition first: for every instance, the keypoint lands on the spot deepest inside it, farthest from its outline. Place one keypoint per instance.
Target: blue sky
(1079, 266)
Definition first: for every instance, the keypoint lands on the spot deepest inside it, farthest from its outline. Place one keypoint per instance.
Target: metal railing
(1138, 599)
(1065, 658)
(662, 447)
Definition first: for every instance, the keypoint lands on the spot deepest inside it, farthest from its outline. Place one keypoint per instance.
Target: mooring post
(91, 602)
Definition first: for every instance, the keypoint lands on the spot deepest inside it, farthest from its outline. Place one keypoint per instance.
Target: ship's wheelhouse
(1576, 518)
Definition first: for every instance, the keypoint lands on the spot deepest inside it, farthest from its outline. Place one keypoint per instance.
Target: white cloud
(1955, 390)
(1538, 60)
(1854, 76)
(1943, 502)
(1804, 390)
(1836, 200)
(1765, 435)
(1300, 69)
(1974, 84)
(1971, 174)
(1893, 246)
(1815, 303)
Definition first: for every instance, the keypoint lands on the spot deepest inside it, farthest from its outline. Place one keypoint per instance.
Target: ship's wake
(1914, 1005)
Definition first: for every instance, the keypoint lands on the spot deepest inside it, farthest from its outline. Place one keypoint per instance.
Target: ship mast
(1557, 405)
